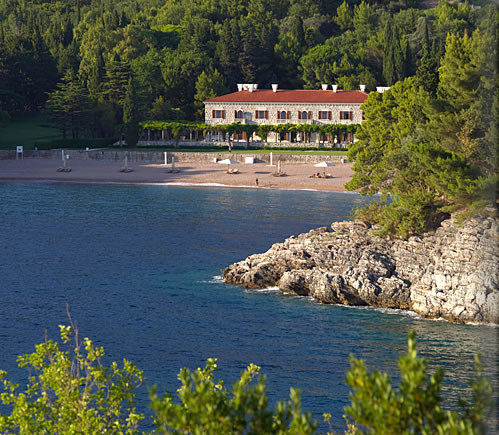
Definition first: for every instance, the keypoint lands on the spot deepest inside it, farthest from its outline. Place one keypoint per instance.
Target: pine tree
(209, 85)
(464, 117)
(259, 35)
(344, 16)
(288, 51)
(69, 105)
(432, 154)
(95, 78)
(228, 49)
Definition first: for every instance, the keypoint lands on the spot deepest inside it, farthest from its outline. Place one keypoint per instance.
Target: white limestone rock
(450, 273)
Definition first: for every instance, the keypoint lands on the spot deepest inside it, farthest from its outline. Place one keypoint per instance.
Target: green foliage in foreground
(207, 407)
(415, 407)
(71, 391)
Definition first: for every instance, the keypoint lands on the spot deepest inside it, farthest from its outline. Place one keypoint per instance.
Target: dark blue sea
(139, 266)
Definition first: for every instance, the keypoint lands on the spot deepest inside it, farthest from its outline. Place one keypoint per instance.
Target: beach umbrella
(324, 165)
(228, 162)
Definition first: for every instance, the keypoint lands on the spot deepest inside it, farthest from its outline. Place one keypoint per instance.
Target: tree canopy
(167, 46)
(432, 151)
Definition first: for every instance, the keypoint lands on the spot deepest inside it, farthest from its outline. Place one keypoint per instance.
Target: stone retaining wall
(158, 156)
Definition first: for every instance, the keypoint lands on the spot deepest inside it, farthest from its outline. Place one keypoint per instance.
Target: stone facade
(251, 105)
(249, 113)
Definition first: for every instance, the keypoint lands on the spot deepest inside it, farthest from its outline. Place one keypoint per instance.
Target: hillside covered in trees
(95, 62)
(99, 67)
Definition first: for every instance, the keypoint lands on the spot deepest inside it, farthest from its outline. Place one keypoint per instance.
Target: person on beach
(256, 182)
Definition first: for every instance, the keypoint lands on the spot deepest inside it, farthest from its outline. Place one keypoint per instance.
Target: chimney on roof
(335, 88)
(324, 87)
(362, 88)
(249, 87)
(274, 87)
(239, 87)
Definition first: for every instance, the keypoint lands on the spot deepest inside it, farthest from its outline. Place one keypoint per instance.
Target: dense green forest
(94, 64)
(429, 144)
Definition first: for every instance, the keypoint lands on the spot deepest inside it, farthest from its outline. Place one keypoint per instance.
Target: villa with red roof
(250, 105)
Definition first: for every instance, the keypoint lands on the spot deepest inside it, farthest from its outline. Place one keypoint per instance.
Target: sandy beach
(298, 176)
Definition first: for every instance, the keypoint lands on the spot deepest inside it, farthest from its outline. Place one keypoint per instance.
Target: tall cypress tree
(388, 65)
(393, 59)
(398, 57)
(427, 73)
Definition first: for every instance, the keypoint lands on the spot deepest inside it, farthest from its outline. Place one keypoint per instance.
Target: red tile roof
(291, 96)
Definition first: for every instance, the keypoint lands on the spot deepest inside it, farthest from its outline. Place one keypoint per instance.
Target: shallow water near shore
(140, 267)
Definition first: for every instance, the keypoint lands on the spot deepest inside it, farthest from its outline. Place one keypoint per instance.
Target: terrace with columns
(292, 118)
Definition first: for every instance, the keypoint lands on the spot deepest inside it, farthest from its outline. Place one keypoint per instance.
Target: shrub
(71, 391)
(415, 407)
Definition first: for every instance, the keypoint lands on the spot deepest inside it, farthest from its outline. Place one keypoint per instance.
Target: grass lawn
(26, 133)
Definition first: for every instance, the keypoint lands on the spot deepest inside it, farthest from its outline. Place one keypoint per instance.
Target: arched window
(239, 114)
(304, 115)
(283, 115)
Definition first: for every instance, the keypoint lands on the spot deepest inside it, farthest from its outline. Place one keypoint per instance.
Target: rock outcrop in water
(451, 273)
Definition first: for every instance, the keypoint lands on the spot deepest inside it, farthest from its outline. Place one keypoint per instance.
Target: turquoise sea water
(140, 267)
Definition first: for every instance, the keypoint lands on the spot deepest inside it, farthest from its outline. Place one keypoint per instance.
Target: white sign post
(20, 150)
(271, 163)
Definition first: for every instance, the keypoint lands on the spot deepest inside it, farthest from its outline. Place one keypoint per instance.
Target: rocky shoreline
(451, 273)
